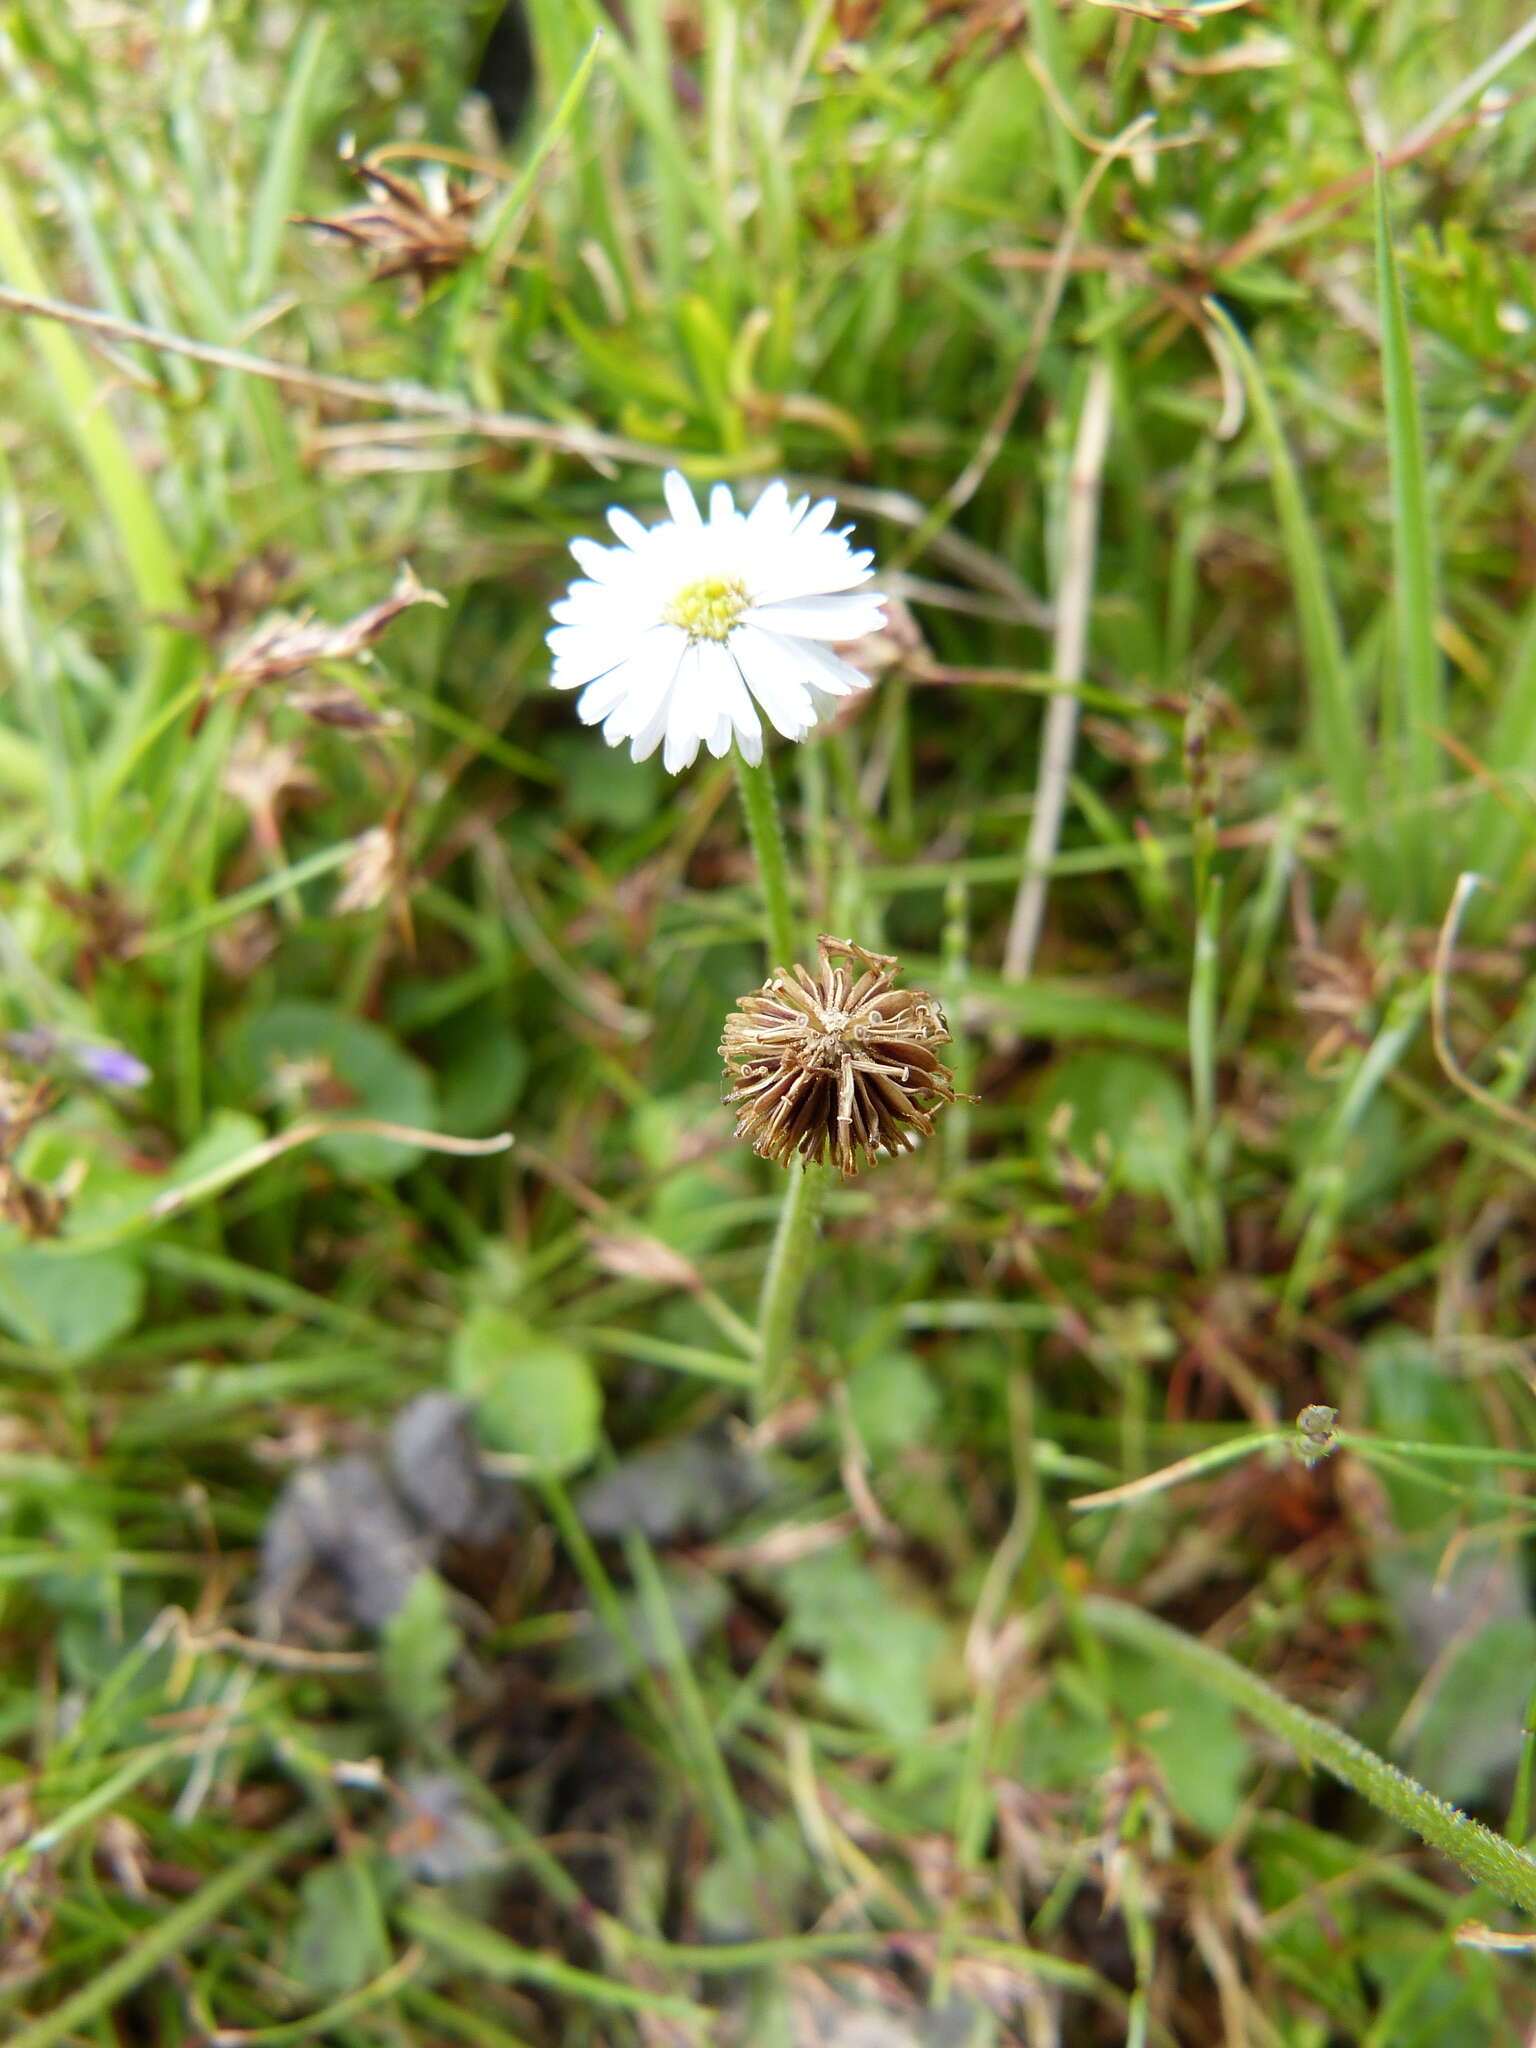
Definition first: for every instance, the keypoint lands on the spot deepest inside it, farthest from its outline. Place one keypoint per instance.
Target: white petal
(651, 672)
(773, 681)
(650, 735)
(771, 507)
(719, 699)
(603, 694)
(599, 562)
(680, 499)
(626, 526)
(681, 747)
(821, 567)
(605, 608)
(751, 745)
(733, 701)
(827, 674)
(582, 652)
(688, 717)
(582, 602)
(843, 616)
(722, 506)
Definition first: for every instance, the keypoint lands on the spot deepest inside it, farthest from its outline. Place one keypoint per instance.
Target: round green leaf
(533, 1395)
(378, 1079)
(74, 1303)
(1134, 1104)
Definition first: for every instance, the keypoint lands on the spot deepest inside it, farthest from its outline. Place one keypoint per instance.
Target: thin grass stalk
(152, 561)
(1500, 832)
(696, 1727)
(1518, 1825)
(472, 1945)
(1341, 738)
(1416, 653)
(171, 1935)
(44, 693)
(277, 195)
(498, 235)
(1073, 603)
(1467, 89)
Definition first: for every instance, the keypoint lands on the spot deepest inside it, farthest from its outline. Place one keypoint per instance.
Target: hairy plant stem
(762, 810)
(1483, 1855)
(794, 1240)
(789, 1265)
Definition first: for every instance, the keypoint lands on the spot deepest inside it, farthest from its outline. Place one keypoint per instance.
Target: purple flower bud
(111, 1066)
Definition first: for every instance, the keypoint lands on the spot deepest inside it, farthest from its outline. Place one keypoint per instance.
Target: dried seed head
(838, 1065)
(415, 228)
(285, 646)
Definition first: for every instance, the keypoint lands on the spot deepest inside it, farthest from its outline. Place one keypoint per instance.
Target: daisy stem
(762, 808)
(789, 1263)
(794, 1240)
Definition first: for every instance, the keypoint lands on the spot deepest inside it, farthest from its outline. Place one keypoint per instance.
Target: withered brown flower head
(412, 232)
(286, 645)
(840, 1064)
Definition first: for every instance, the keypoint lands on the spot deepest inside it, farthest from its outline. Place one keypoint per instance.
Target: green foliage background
(861, 1736)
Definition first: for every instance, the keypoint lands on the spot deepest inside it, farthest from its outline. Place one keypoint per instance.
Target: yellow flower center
(708, 609)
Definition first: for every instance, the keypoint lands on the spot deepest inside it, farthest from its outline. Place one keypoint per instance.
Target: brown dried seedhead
(411, 232)
(287, 645)
(838, 1065)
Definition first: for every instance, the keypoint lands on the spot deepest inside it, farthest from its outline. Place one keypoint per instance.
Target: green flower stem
(1483, 1855)
(762, 809)
(789, 1263)
(794, 1241)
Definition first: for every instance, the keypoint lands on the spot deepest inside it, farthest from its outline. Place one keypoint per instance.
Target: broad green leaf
(481, 1064)
(894, 1402)
(370, 1071)
(339, 1940)
(417, 1647)
(1192, 1733)
(1133, 1104)
(1074, 1735)
(1472, 1728)
(74, 1303)
(875, 1652)
(534, 1395)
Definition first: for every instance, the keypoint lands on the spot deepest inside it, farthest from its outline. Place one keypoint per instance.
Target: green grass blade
(170, 1935)
(276, 195)
(1421, 698)
(474, 1946)
(1504, 822)
(1340, 734)
(141, 533)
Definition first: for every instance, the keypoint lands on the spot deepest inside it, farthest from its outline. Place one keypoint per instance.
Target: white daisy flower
(678, 636)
